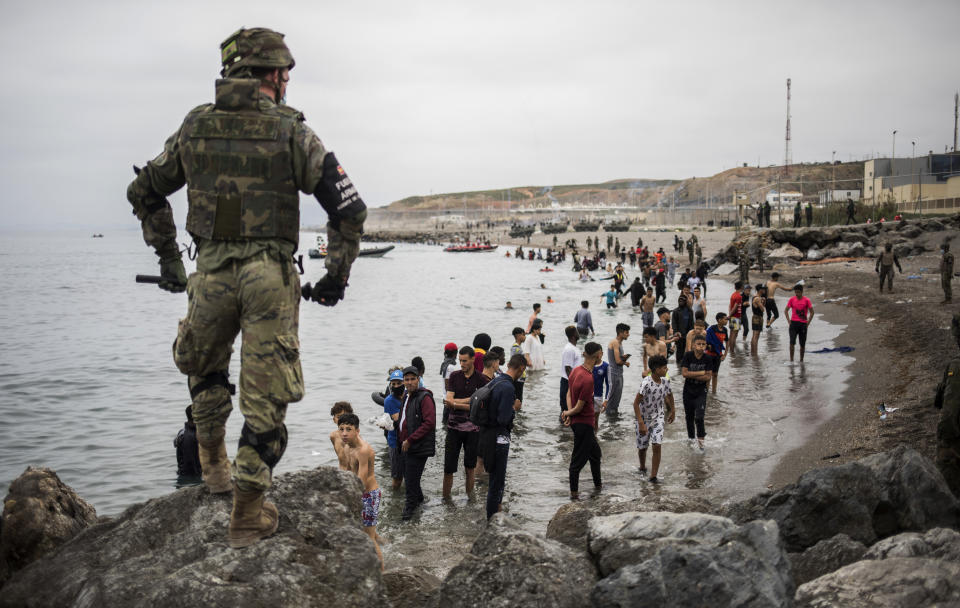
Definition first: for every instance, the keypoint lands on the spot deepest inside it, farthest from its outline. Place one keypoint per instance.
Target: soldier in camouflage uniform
(744, 267)
(946, 272)
(948, 429)
(244, 159)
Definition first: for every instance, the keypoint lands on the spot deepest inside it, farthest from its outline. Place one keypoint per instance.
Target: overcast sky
(421, 97)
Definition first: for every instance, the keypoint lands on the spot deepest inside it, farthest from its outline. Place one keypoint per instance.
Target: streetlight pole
(833, 183)
(913, 155)
(893, 169)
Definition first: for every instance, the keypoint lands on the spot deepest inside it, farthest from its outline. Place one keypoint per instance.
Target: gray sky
(420, 97)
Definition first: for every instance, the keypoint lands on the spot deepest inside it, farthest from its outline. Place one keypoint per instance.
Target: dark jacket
(678, 323)
(420, 424)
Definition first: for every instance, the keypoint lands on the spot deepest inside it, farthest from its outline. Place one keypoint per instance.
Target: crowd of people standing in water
(483, 384)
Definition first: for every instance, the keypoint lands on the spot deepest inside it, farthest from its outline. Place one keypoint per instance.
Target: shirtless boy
(652, 347)
(646, 309)
(699, 329)
(771, 304)
(357, 456)
(339, 409)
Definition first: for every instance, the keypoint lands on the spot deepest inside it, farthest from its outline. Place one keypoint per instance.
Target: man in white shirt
(569, 359)
(534, 348)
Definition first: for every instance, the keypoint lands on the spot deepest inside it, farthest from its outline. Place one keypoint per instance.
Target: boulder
(785, 252)
(942, 543)
(40, 513)
(895, 582)
(509, 567)
(569, 525)
(875, 497)
(667, 559)
(916, 490)
(412, 588)
(814, 253)
(854, 236)
(872, 230)
(173, 551)
(933, 225)
(825, 557)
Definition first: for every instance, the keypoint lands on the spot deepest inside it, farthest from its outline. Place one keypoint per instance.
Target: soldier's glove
(173, 277)
(328, 290)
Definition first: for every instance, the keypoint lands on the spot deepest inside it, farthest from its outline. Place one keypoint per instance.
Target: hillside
(695, 191)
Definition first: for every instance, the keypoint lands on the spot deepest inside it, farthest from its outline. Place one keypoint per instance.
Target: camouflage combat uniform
(948, 428)
(946, 273)
(744, 268)
(244, 160)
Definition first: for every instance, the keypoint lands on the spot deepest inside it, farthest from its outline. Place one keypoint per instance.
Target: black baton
(148, 278)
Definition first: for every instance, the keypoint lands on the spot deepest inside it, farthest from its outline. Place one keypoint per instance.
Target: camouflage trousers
(260, 298)
(945, 280)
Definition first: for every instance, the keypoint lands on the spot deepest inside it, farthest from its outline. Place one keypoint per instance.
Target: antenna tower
(787, 160)
(956, 104)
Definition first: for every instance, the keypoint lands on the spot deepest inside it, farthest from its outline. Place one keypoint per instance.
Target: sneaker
(654, 480)
(700, 444)
(642, 471)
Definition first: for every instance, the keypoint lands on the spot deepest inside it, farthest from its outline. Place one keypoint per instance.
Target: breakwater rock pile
(881, 531)
(786, 245)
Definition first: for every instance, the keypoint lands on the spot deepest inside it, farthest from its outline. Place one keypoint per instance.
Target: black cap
(411, 370)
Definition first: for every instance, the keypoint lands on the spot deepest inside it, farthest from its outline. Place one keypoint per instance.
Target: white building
(787, 198)
(831, 196)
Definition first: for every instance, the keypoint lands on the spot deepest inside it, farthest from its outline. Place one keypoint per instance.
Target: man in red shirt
(581, 417)
(800, 310)
(735, 311)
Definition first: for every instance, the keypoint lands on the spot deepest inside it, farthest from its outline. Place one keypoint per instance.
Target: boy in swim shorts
(358, 458)
(652, 399)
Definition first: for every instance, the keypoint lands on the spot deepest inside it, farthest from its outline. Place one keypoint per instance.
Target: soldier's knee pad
(269, 445)
(220, 378)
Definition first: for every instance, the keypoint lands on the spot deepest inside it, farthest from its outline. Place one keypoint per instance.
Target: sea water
(89, 389)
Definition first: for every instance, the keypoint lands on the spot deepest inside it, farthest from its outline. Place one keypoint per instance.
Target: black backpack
(479, 403)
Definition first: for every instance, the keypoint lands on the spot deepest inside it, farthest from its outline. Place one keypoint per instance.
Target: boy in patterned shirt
(652, 399)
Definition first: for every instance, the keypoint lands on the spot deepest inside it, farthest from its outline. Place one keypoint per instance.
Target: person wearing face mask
(392, 404)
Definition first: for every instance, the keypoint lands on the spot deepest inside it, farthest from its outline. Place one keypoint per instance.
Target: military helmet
(257, 47)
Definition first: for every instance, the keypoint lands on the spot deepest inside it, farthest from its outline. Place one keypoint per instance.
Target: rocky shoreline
(881, 531)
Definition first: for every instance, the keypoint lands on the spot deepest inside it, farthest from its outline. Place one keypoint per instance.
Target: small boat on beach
(371, 252)
(470, 248)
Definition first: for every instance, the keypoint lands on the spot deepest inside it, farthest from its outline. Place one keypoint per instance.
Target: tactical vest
(239, 167)
(886, 258)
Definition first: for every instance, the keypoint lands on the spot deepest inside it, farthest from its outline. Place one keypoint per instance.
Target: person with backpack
(494, 414)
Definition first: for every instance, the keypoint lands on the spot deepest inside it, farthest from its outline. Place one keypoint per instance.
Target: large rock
(915, 489)
(895, 582)
(412, 588)
(814, 253)
(668, 559)
(825, 557)
(785, 253)
(942, 543)
(854, 236)
(40, 513)
(569, 525)
(509, 567)
(876, 497)
(173, 551)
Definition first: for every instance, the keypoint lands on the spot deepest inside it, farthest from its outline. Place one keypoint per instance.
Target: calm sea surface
(88, 386)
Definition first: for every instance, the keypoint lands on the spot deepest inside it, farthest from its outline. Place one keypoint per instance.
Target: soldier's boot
(252, 518)
(215, 466)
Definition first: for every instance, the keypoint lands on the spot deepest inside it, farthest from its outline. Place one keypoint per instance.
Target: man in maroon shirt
(581, 417)
(461, 433)
(417, 434)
